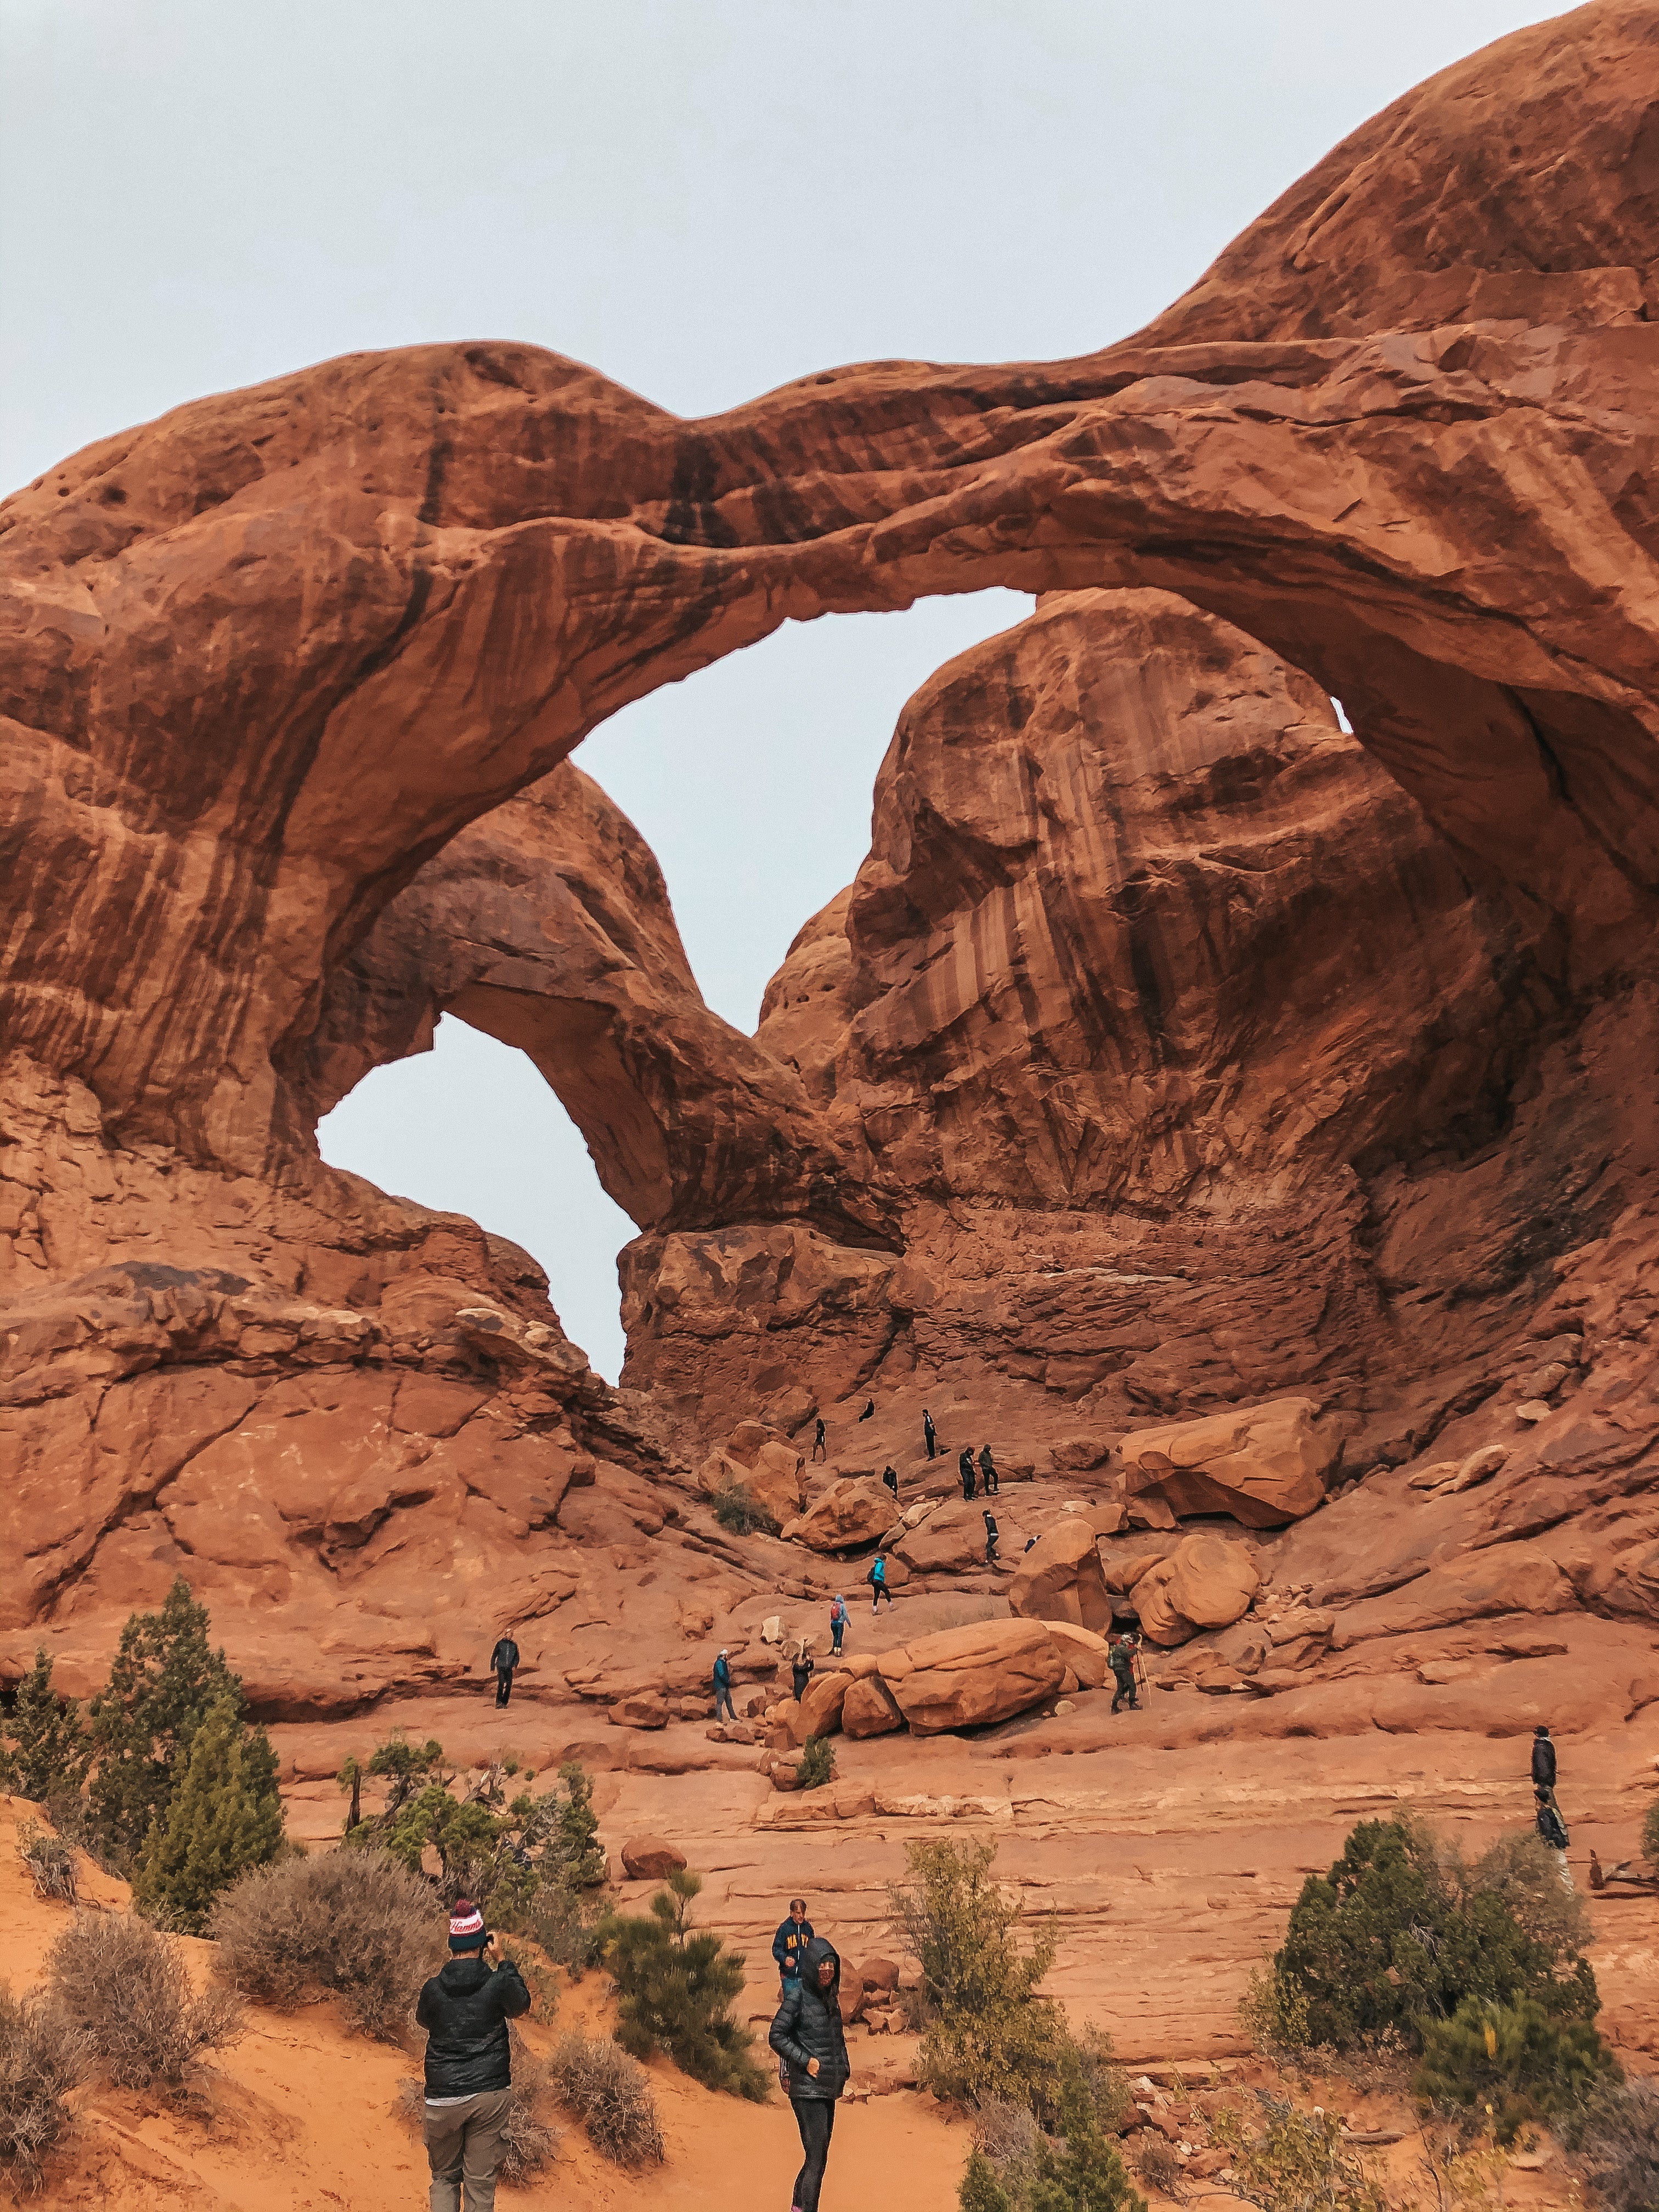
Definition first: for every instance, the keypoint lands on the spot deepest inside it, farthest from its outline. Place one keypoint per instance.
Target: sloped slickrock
(1061, 1578)
(1265, 1465)
(963, 1677)
(954, 1538)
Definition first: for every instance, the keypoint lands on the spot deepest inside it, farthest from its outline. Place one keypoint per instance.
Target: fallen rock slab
(854, 1511)
(1265, 1465)
(964, 1677)
(1061, 1578)
(651, 1858)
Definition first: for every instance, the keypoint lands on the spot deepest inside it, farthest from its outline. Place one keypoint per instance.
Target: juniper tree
(579, 1830)
(43, 1746)
(225, 1816)
(164, 1679)
(676, 1986)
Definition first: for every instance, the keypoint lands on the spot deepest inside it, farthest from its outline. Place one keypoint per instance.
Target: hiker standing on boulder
(792, 1937)
(808, 2036)
(869, 1412)
(504, 1658)
(1121, 1660)
(800, 1670)
(1543, 1763)
(990, 1481)
(468, 2065)
(990, 1539)
(929, 1434)
(820, 1449)
(965, 1469)
(724, 1709)
(889, 1477)
(879, 1589)
(837, 1623)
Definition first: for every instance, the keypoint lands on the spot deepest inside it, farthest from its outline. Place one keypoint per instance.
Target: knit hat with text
(466, 1926)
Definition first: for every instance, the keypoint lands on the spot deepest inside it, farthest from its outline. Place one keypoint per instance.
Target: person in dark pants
(789, 1944)
(504, 1658)
(808, 2036)
(724, 1709)
(468, 2065)
(929, 1434)
(820, 1449)
(990, 1482)
(837, 1623)
(869, 1412)
(1543, 1762)
(890, 1476)
(1122, 1661)
(800, 1670)
(965, 1469)
(879, 1589)
(990, 1539)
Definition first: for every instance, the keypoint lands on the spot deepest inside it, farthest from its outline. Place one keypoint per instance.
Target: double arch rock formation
(1313, 1065)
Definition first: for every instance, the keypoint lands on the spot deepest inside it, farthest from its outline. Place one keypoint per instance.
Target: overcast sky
(704, 198)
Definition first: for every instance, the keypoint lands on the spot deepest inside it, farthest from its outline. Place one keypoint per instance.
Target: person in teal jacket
(879, 1589)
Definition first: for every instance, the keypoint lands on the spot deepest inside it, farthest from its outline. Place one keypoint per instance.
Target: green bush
(1614, 2138)
(987, 2034)
(1515, 2062)
(354, 1923)
(163, 1685)
(738, 1509)
(1015, 2167)
(43, 1746)
(580, 1848)
(1399, 1934)
(676, 1987)
(817, 1764)
(1296, 2161)
(225, 1815)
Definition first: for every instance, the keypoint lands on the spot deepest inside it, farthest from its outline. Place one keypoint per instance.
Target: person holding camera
(468, 2065)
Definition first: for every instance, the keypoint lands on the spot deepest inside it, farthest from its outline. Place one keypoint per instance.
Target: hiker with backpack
(879, 1589)
(724, 1709)
(1121, 1660)
(837, 1623)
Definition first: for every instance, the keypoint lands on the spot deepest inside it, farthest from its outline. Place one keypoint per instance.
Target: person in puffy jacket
(808, 2036)
(468, 2065)
(1543, 1760)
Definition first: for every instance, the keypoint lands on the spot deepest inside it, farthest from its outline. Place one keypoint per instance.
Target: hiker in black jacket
(1543, 1761)
(929, 1433)
(468, 2065)
(808, 2036)
(965, 1469)
(992, 1535)
(504, 1658)
(989, 1480)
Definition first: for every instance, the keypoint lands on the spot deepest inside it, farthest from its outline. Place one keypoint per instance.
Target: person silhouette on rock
(965, 1469)
(990, 1481)
(504, 1658)
(990, 1539)
(929, 1434)
(820, 1449)
(869, 1412)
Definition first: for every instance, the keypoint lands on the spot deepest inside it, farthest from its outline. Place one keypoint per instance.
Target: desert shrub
(738, 1510)
(163, 1682)
(125, 1988)
(612, 2097)
(1523, 1871)
(354, 1923)
(532, 2140)
(1015, 2167)
(1398, 1934)
(1514, 2062)
(817, 1762)
(50, 1860)
(1651, 1835)
(676, 1986)
(42, 2056)
(500, 1853)
(1153, 2158)
(1614, 2139)
(988, 2035)
(43, 1746)
(225, 1815)
(1295, 2161)
(569, 1927)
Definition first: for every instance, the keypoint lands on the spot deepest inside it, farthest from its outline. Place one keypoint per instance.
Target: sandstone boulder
(767, 1466)
(1213, 1581)
(1122, 1569)
(1265, 1465)
(964, 1677)
(645, 1710)
(1061, 1578)
(818, 1712)
(953, 1539)
(649, 1858)
(853, 1511)
(870, 1709)
(1083, 1654)
(881, 1973)
(1161, 1620)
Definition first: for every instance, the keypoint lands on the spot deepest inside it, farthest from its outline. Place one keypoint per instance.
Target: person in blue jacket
(792, 1937)
(724, 1709)
(879, 1589)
